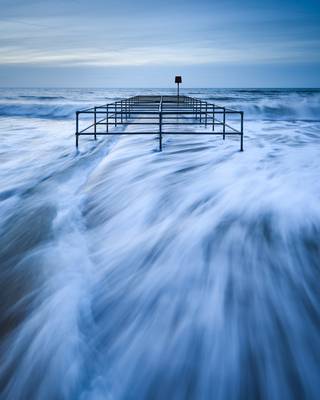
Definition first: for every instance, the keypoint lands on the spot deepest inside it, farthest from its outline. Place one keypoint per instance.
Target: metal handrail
(160, 111)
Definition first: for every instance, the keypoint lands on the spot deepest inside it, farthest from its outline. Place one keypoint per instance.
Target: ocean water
(126, 273)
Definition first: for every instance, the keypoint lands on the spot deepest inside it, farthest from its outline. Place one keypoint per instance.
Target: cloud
(105, 34)
(208, 53)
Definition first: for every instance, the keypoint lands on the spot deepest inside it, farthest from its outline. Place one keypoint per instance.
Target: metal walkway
(159, 113)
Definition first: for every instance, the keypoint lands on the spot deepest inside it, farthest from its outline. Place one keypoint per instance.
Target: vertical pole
(206, 117)
(115, 114)
(224, 123)
(160, 131)
(121, 112)
(95, 123)
(107, 124)
(241, 138)
(200, 111)
(77, 129)
(213, 117)
(160, 124)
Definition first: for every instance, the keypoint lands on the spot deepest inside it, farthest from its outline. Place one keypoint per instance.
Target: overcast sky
(127, 43)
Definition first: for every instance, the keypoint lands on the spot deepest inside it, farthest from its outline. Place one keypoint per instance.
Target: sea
(132, 274)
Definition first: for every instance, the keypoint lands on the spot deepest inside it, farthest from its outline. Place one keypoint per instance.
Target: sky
(127, 43)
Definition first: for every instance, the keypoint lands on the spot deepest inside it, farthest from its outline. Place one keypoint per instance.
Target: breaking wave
(37, 110)
(273, 105)
(257, 104)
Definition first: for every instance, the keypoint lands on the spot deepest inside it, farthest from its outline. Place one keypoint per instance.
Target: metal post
(95, 123)
(206, 117)
(160, 131)
(160, 125)
(107, 124)
(224, 123)
(241, 138)
(77, 129)
(213, 117)
(115, 114)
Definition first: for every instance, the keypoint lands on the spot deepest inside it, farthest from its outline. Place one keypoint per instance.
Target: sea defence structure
(160, 115)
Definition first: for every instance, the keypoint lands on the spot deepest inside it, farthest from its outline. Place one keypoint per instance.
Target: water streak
(132, 274)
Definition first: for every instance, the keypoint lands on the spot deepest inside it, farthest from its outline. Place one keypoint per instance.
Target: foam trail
(188, 274)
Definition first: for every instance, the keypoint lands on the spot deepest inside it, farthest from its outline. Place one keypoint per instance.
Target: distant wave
(257, 104)
(37, 110)
(275, 107)
(42, 97)
(223, 98)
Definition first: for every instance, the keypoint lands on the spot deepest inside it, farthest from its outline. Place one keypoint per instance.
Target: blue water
(126, 273)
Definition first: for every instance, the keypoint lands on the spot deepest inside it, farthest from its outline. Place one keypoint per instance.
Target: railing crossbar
(162, 111)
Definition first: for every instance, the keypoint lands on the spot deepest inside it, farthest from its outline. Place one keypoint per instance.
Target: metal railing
(160, 112)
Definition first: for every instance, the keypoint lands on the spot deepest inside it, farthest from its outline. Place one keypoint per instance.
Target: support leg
(213, 117)
(160, 131)
(77, 129)
(241, 138)
(95, 124)
(107, 120)
(206, 117)
(224, 123)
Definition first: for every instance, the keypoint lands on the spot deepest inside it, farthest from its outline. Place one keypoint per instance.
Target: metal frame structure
(161, 112)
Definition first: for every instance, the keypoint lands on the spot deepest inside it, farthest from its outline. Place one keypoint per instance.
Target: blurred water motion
(188, 274)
